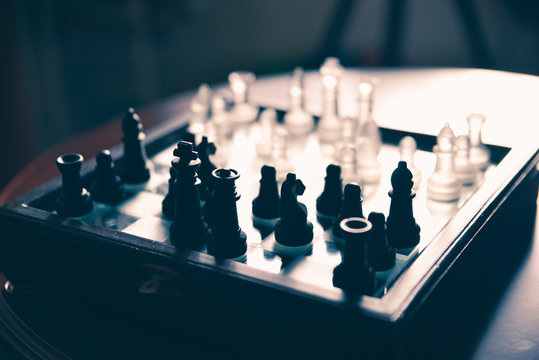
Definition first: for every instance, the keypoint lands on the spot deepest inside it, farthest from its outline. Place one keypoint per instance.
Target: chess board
(136, 230)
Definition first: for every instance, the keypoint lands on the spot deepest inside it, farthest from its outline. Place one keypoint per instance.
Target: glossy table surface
(430, 97)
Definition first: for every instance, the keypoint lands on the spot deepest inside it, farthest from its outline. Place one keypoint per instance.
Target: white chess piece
(329, 125)
(368, 167)
(220, 129)
(200, 106)
(479, 154)
(466, 171)
(242, 111)
(407, 150)
(279, 155)
(366, 125)
(268, 120)
(444, 184)
(347, 160)
(297, 120)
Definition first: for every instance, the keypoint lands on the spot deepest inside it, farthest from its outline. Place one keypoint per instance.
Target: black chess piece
(226, 240)
(381, 254)
(189, 137)
(293, 229)
(353, 274)
(205, 149)
(74, 200)
(329, 203)
(188, 230)
(351, 207)
(402, 230)
(266, 205)
(169, 202)
(134, 167)
(107, 186)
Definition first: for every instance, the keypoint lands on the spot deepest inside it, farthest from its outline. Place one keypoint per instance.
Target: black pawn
(74, 200)
(266, 205)
(134, 168)
(188, 230)
(354, 274)
(205, 149)
(351, 207)
(293, 229)
(107, 187)
(380, 253)
(329, 202)
(169, 202)
(402, 230)
(226, 240)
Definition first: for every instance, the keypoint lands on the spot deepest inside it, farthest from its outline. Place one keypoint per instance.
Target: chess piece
(293, 229)
(353, 274)
(107, 187)
(221, 124)
(74, 200)
(188, 230)
(381, 255)
(134, 163)
(169, 202)
(407, 150)
(368, 167)
(200, 106)
(279, 156)
(366, 125)
(347, 159)
(297, 120)
(226, 240)
(266, 204)
(268, 120)
(465, 170)
(402, 230)
(328, 204)
(479, 154)
(329, 125)
(444, 185)
(242, 111)
(351, 207)
(205, 149)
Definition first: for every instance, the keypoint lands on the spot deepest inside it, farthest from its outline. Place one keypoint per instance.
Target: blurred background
(68, 66)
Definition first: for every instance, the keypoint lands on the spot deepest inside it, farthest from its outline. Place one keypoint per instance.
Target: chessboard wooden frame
(27, 226)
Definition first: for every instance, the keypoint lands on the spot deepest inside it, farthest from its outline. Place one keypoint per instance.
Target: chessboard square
(151, 228)
(265, 260)
(311, 272)
(143, 204)
(325, 252)
(115, 220)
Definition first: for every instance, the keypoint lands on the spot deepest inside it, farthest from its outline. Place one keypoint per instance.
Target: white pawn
(220, 130)
(279, 156)
(366, 125)
(268, 120)
(200, 106)
(243, 111)
(407, 149)
(347, 160)
(466, 171)
(444, 184)
(297, 120)
(479, 154)
(329, 125)
(368, 168)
